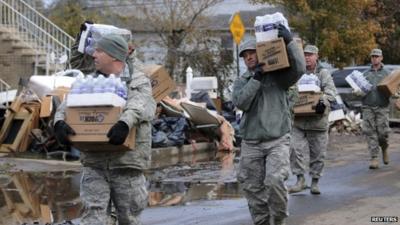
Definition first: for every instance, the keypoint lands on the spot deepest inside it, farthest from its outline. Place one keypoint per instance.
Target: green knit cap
(114, 45)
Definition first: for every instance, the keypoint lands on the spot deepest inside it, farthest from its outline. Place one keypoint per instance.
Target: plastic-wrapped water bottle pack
(99, 84)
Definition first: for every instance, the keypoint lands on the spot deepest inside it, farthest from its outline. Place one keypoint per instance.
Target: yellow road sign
(237, 28)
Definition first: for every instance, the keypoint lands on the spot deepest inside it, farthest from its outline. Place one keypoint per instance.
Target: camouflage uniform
(265, 128)
(117, 177)
(310, 133)
(293, 95)
(375, 112)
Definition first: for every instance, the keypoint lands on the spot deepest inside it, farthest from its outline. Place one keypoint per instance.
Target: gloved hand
(118, 133)
(320, 107)
(83, 27)
(258, 71)
(357, 92)
(62, 130)
(285, 34)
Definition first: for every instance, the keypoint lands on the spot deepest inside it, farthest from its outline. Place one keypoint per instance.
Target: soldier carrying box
(116, 176)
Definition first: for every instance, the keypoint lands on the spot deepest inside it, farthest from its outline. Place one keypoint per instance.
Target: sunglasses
(374, 56)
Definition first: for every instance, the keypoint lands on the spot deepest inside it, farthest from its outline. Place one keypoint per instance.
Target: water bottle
(76, 86)
(125, 88)
(121, 89)
(87, 86)
(99, 84)
(110, 84)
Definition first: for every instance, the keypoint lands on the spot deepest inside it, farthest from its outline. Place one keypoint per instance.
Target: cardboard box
(46, 106)
(390, 84)
(92, 124)
(305, 105)
(199, 115)
(273, 54)
(60, 92)
(161, 82)
(95, 99)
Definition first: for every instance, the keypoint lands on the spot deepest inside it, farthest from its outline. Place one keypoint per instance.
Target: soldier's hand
(258, 71)
(320, 107)
(118, 133)
(83, 27)
(62, 130)
(284, 33)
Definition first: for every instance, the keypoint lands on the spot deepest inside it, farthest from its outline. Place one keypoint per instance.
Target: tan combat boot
(374, 164)
(314, 187)
(299, 186)
(385, 154)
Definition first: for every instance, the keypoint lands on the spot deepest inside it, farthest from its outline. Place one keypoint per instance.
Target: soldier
(375, 112)
(116, 177)
(310, 133)
(265, 128)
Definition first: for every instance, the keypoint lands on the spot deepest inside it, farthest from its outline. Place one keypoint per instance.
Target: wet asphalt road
(351, 194)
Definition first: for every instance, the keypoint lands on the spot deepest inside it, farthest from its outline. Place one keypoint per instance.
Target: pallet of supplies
(390, 84)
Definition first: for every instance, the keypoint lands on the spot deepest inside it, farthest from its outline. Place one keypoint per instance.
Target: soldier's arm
(328, 86)
(140, 105)
(81, 61)
(60, 112)
(244, 92)
(289, 76)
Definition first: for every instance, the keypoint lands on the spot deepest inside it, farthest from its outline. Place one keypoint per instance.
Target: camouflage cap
(311, 49)
(114, 45)
(376, 51)
(248, 44)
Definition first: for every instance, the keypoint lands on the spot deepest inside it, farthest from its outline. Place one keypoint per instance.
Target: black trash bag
(228, 111)
(169, 131)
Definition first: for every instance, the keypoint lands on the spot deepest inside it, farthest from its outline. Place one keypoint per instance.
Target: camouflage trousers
(308, 144)
(375, 127)
(124, 188)
(263, 169)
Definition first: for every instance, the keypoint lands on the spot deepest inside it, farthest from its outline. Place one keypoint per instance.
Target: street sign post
(237, 29)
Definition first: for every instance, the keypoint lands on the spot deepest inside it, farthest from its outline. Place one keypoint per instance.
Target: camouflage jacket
(375, 97)
(265, 103)
(138, 112)
(319, 122)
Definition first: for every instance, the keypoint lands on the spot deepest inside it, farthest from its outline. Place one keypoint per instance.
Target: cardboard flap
(199, 115)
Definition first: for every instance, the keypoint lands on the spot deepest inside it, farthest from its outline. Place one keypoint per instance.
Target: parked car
(353, 102)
